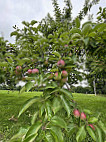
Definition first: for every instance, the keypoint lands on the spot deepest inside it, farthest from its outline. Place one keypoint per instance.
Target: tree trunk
(94, 84)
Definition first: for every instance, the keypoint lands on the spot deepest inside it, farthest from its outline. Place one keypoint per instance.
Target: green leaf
(91, 133)
(99, 132)
(72, 128)
(75, 30)
(92, 119)
(100, 27)
(56, 105)
(30, 138)
(57, 132)
(67, 93)
(19, 135)
(14, 33)
(48, 111)
(34, 117)
(77, 22)
(50, 36)
(28, 104)
(75, 36)
(87, 111)
(48, 87)
(42, 108)
(56, 54)
(25, 23)
(22, 90)
(86, 29)
(33, 22)
(66, 105)
(3, 64)
(29, 85)
(10, 60)
(81, 134)
(101, 125)
(33, 129)
(49, 137)
(58, 121)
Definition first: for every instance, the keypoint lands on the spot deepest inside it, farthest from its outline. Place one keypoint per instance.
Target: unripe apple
(64, 73)
(76, 113)
(30, 71)
(19, 68)
(57, 76)
(61, 63)
(46, 63)
(63, 80)
(35, 71)
(70, 54)
(91, 125)
(83, 116)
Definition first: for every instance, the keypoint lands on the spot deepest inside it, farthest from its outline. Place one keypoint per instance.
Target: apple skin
(35, 71)
(29, 71)
(56, 76)
(64, 73)
(61, 63)
(46, 63)
(76, 113)
(91, 125)
(19, 68)
(83, 116)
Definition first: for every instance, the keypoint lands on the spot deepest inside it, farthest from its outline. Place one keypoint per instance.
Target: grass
(11, 102)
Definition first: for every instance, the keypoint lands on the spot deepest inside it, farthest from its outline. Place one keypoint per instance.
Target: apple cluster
(33, 71)
(82, 116)
(18, 70)
(60, 76)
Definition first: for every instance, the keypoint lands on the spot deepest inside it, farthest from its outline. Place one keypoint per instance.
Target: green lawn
(10, 104)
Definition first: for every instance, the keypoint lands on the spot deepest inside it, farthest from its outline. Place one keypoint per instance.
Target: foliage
(80, 89)
(49, 60)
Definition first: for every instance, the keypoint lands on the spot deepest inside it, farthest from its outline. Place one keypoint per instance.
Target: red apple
(18, 68)
(64, 73)
(83, 116)
(61, 63)
(56, 76)
(76, 113)
(35, 71)
(30, 71)
(91, 125)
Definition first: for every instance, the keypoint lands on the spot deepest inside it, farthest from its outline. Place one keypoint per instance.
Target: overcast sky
(13, 12)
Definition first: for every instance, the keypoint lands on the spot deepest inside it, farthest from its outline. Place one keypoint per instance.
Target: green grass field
(11, 103)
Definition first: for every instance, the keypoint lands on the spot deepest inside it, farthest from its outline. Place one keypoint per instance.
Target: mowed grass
(11, 103)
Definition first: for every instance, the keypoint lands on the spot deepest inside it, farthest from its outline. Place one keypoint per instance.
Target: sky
(13, 12)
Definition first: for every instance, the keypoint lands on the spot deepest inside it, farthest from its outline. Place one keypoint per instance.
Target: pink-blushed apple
(92, 126)
(76, 113)
(83, 116)
(29, 71)
(35, 71)
(61, 63)
(57, 76)
(64, 73)
(19, 68)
